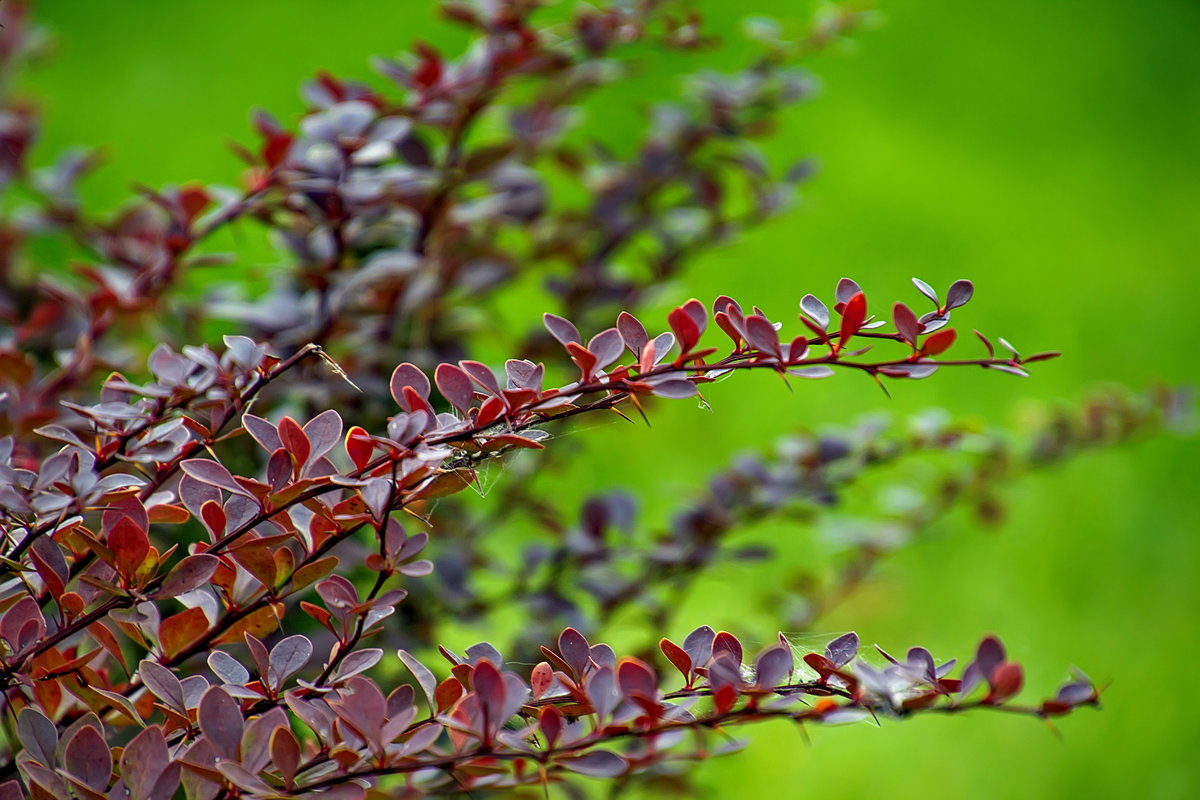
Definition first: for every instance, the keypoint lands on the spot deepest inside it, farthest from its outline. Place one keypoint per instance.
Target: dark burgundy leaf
(455, 385)
(574, 649)
(762, 336)
(959, 294)
(407, 375)
(636, 678)
(633, 333)
(727, 643)
(906, 323)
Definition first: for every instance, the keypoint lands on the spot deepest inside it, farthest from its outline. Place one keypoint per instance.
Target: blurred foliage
(1048, 151)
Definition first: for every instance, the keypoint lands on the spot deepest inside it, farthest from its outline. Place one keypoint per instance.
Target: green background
(1047, 150)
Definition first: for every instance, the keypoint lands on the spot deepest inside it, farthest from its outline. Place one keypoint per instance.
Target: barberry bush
(230, 559)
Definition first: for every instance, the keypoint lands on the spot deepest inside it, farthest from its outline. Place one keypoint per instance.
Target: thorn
(886, 393)
(334, 367)
(622, 415)
(638, 406)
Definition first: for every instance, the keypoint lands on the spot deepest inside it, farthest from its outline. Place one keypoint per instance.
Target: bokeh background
(1050, 151)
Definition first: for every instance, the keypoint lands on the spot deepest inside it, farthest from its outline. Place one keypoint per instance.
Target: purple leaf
(607, 347)
(561, 329)
(762, 336)
(814, 372)
(846, 289)
(915, 371)
(815, 310)
(842, 649)
(88, 759)
(190, 573)
(262, 432)
(596, 764)
(214, 474)
(421, 672)
(675, 389)
(324, 431)
(228, 668)
(772, 667)
(162, 683)
(221, 722)
(482, 375)
(288, 657)
(144, 760)
(633, 333)
(925, 289)
(574, 649)
(698, 645)
(376, 493)
(1009, 368)
(989, 655)
(37, 735)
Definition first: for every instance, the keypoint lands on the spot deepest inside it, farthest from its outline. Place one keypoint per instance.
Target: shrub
(163, 531)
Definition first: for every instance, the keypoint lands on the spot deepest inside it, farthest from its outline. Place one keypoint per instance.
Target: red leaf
(408, 376)
(295, 441)
(1005, 681)
(130, 546)
(636, 678)
(550, 721)
(853, 318)
(687, 333)
(180, 630)
(939, 342)
(193, 200)
(677, 656)
(447, 692)
(213, 517)
(729, 643)
(724, 698)
(906, 323)
(359, 447)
